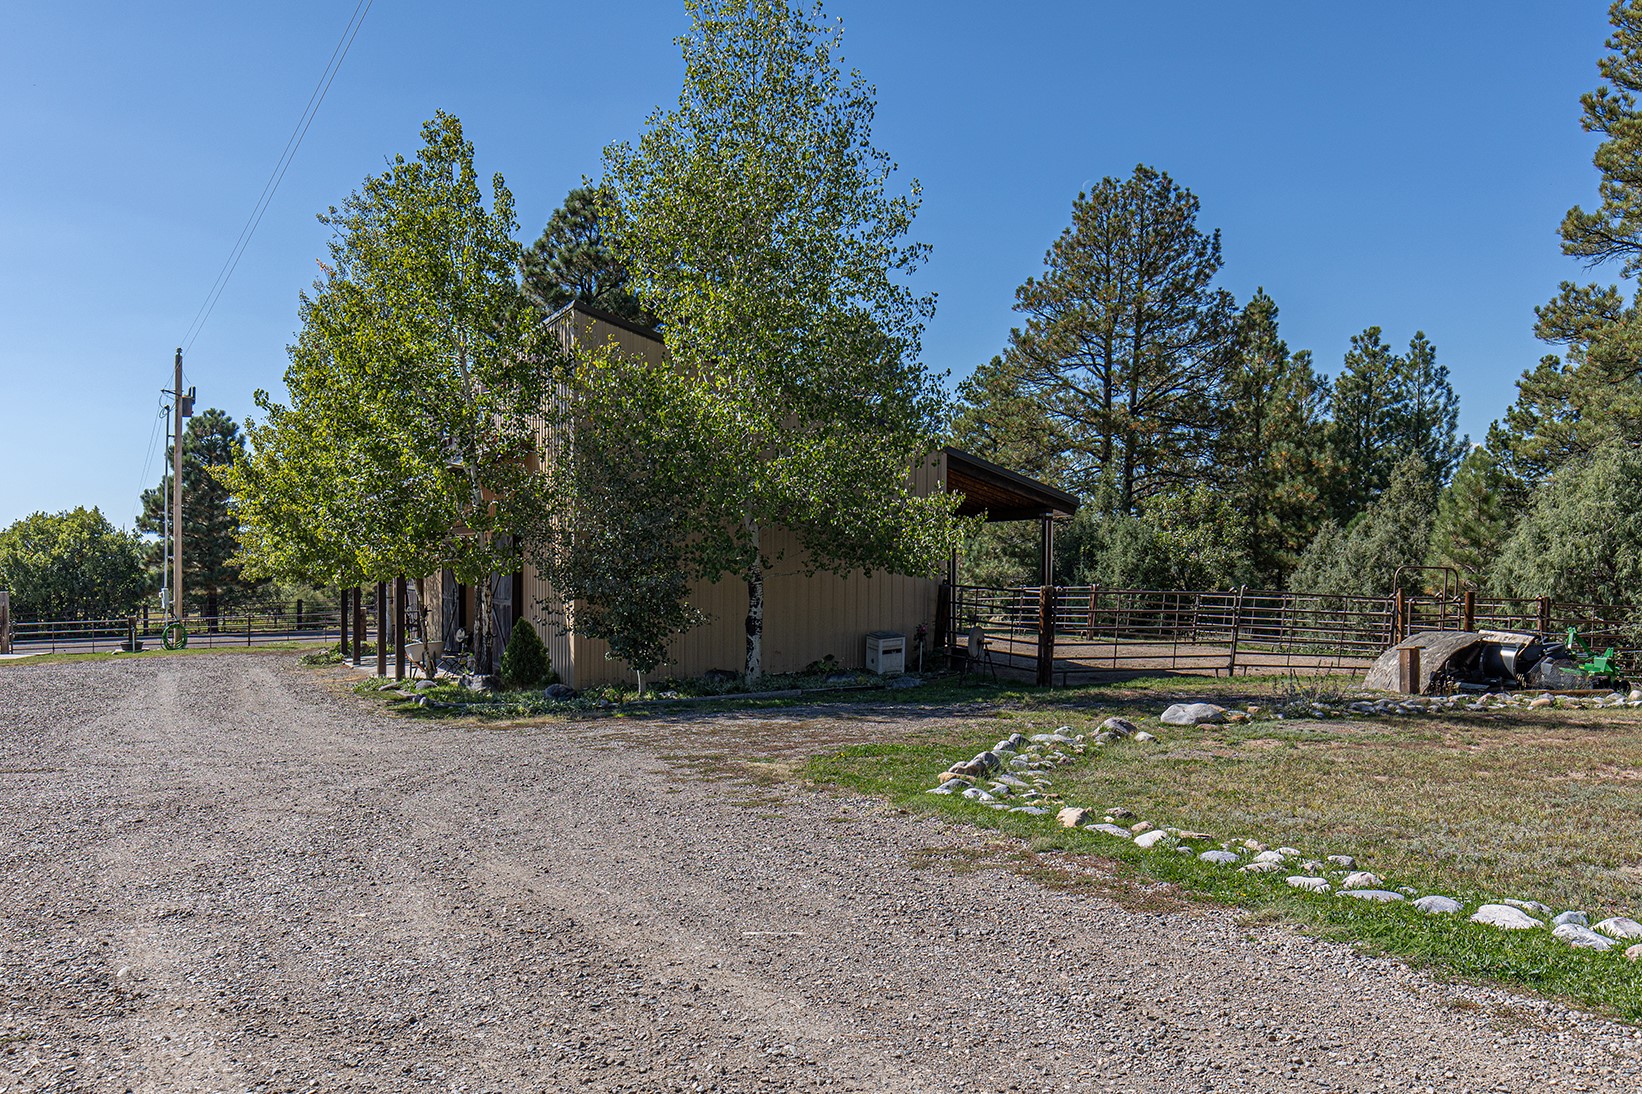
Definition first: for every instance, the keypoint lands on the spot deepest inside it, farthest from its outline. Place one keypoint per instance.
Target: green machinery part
(1591, 664)
(174, 637)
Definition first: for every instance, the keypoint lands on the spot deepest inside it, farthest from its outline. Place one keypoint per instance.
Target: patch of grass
(1534, 805)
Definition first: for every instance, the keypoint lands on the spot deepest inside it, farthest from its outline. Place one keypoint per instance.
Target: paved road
(220, 875)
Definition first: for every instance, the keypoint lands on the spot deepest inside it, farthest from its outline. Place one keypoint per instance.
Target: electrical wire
(153, 442)
(269, 188)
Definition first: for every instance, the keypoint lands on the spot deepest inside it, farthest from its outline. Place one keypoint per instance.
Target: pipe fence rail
(1067, 633)
(302, 622)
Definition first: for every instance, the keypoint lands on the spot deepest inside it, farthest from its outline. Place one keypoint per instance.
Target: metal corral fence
(1071, 633)
(300, 622)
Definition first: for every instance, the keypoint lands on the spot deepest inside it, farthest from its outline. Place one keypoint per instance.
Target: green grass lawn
(1543, 805)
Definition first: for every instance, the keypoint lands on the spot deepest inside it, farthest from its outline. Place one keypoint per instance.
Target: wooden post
(381, 628)
(358, 625)
(1468, 610)
(943, 616)
(299, 614)
(1399, 629)
(1544, 615)
(5, 621)
(1046, 635)
(342, 613)
(1408, 670)
(399, 628)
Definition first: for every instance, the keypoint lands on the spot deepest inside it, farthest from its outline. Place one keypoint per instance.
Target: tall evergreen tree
(212, 579)
(1125, 342)
(572, 261)
(1269, 455)
(1568, 407)
(1475, 515)
(1429, 409)
(1393, 532)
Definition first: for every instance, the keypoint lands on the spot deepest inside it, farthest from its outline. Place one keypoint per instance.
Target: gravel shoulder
(221, 875)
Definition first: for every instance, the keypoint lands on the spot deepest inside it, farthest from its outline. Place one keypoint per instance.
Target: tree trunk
(755, 614)
(484, 658)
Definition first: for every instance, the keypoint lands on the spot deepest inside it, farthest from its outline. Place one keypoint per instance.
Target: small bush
(525, 663)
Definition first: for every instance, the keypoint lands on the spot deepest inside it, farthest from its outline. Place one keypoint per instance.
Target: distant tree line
(1211, 455)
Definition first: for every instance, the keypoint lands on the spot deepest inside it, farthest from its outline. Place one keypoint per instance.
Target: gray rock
(1259, 868)
(1012, 782)
(1151, 839)
(1581, 937)
(1378, 896)
(1050, 739)
(1532, 907)
(1032, 810)
(1620, 927)
(1073, 816)
(975, 793)
(1121, 726)
(1289, 852)
(1345, 862)
(953, 786)
(1104, 738)
(1119, 813)
(1219, 858)
(1271, 856)
(1193, 714)
(559, 692)
(1143, 737)
(1111, 830)
(1311, 884)
(1505, 917)
(425, 685)
(907, 682)
(1361, 879)
(1578, 919)
(988, 760)
(1439, 905)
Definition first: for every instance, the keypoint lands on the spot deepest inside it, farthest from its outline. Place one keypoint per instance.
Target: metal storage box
(886, 652)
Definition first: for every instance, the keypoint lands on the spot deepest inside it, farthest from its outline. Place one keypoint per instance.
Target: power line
(269, 188)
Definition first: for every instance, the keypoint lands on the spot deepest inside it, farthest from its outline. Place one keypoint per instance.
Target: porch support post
(1046, 635)
(1046, 550)
(399, 627)
(381, 628)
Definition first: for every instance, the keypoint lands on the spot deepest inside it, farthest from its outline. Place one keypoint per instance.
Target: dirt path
(219, 876)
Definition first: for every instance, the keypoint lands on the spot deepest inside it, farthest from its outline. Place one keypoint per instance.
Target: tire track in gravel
(312, 895)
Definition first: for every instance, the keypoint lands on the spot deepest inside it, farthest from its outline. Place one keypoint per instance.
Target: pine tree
(1391, 533)
(1269, 455)
(1362, 418)
(1428, 409)
(1475, 515)
(212, 580)
(1125, 342)
(572, 261)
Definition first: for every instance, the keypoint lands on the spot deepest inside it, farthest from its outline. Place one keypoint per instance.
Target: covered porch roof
(1001, 494)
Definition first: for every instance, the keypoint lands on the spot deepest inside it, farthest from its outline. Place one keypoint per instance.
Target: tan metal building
(806, 616)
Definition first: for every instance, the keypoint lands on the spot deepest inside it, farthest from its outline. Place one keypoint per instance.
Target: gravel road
(221, 874)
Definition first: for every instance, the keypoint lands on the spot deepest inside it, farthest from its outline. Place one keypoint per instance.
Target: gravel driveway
(220, 874)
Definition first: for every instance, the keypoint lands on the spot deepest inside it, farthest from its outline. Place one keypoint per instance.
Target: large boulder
(1437, 650)
(1192, 714)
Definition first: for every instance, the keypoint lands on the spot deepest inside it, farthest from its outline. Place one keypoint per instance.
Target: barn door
(450, 610)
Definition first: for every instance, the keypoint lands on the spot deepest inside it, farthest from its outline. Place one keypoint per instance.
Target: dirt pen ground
(1083, 661)
(227, 873)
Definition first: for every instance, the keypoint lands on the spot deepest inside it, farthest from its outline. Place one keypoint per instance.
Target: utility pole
(182, 406)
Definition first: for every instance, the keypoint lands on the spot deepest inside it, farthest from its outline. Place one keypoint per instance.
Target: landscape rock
(1143, 737)
(1271, 856)
(1074, 816)
(1582, 937)
(1259, 868)
(1151, 839)
(559, 692)
(1219, 858)
(1439, 905)
(1378, 896)
(1361, 879)
(1311, 884)
(975, 793)
(1505, 917)
(1532, 907)
(951, 786)
(1634, 953)
(1621, 927)
(1111, 830)
(1121, 726)
(1193, 714)
(1345, 862)
(1120, 814)
(1578, 919)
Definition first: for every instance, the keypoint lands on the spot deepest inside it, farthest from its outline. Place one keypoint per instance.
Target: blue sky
(1399, 164)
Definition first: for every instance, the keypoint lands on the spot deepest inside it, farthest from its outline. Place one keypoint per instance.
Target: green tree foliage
(71, 565)
(1187, 539)
(1569, 407)
(1475, 515)
(1269, 448)
(571, 261)
(1120, 359)
(626, 494)
(1392, 532)
(212, 579)
(525, 661)
(1384, 407)
(1581, 538)
(414, 381)
(758, 224)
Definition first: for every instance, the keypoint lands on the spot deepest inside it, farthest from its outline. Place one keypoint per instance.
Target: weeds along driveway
(219, 874)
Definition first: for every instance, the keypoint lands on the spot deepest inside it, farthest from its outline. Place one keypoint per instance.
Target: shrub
(525, 663)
